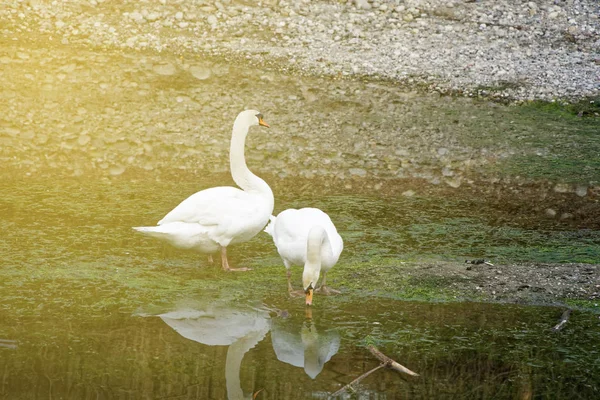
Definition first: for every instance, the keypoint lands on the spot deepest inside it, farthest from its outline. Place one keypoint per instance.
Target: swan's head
(252, 118)
(310, 276)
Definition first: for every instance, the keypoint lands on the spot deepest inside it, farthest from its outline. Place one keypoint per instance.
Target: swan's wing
(318, 217)
(211, 207)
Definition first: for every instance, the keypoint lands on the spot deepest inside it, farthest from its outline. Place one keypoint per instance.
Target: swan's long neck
(233, 362)
(242, 176)
(318, 246)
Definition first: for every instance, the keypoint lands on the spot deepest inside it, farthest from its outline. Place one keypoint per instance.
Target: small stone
(164, 69)
(550, 212)
(200, 73)
(553, 15)
(179, 15)
(362, 4)
(212, 20)
(83, 140)
(116, 170)
(408, 193)
(153, 16)
(137, 17)
(562, 188)
(358, 172)
(581, 191)
(454, 182)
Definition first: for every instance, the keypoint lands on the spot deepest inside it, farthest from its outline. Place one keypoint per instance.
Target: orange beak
(262, 122)
(309, 295)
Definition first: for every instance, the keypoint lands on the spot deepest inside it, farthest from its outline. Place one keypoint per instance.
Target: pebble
(362, 4)
(83, 140)
(164, 69)
(153, 16)
(360, 172)
(581, 191)
(137, 17)
(453, 46)
(200, 73)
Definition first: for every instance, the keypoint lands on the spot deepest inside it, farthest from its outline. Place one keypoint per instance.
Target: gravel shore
(520, 50)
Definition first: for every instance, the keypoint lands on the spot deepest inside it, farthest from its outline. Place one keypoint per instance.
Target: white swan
(214, 218)
(306, 237)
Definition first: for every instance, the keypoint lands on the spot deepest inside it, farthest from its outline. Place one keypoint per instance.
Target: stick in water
(388, 362)
(385, 362)
(563, 320)
(360, 378)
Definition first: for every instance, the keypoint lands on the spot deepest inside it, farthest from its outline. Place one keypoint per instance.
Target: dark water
(215, 349)
(93, 142)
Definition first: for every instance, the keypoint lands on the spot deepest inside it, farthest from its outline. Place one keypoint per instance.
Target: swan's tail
(154, 231)
(270, 228)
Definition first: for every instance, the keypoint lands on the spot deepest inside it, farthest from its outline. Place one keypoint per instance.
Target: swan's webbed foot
(225, 262)
(327, 291)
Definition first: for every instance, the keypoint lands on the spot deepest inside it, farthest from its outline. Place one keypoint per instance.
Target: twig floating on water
(563, 320)
(360, 378)
(388, 362)
(385, 362)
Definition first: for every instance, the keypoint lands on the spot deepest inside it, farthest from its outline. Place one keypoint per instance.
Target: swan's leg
(225, 263)
(289, 279)
(210, 259)
(291, 291)
(324, 289)
(288, 268)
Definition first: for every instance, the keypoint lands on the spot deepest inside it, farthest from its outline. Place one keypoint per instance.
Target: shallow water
(95, 142)
(218, 349)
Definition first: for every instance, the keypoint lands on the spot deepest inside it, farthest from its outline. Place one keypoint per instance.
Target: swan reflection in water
(300, 344)
(240, 329)
(295, 341)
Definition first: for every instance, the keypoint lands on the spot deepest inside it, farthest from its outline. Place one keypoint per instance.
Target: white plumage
(214, 218)
(309, 238)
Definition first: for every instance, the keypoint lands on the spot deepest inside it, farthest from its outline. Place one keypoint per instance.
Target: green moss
(588, 107)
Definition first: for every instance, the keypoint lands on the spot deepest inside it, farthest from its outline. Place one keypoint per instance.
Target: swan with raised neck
(212, 219)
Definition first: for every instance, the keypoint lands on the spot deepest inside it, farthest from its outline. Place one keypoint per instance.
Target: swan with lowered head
(306, 237)
(213, 219)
